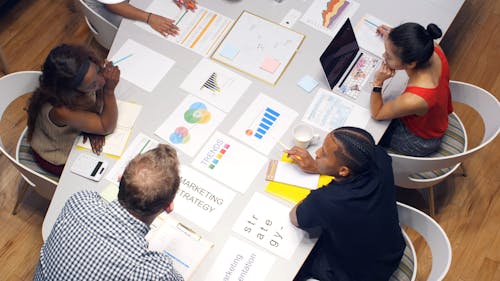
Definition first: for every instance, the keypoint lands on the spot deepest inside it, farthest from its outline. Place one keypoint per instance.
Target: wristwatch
(377, 89)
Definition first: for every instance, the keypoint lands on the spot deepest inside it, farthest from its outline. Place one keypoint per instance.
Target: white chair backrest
(104, 32)
(479, 99)
(434, 235)
(13, 86)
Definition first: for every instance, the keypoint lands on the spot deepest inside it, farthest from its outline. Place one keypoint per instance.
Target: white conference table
(167, 95)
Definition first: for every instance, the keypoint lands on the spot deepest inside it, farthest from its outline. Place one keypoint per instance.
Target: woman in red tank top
(420, 113)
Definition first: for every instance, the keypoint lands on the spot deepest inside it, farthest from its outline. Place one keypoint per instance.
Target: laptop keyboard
(359, 75)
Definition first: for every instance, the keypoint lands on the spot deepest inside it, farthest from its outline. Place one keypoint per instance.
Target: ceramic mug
(304, 136)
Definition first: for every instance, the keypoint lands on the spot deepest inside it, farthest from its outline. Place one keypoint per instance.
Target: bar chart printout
(269, 116)
(263, 124)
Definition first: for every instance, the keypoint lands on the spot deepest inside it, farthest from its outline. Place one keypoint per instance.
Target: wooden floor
(467, 208)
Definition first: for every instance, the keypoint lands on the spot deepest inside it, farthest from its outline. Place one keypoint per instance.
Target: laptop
(348, 68)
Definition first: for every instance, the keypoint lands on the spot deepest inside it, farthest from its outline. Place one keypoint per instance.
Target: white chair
(425, 172)
(434, 236)
(13, 86)
(103, 31)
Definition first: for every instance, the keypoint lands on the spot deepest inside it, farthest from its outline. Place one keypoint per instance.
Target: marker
(122, 59)
(287, 148)
(179, 20)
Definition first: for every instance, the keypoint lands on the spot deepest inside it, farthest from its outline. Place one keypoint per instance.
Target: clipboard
(183, 245)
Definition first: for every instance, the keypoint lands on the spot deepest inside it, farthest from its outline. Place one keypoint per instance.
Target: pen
(287, 148)
(121, 59)
(371, 23)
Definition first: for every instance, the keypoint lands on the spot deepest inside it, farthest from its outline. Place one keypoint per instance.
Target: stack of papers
(116, 142)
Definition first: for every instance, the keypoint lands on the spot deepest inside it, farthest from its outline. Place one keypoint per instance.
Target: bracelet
(149, 15)
(377, 89)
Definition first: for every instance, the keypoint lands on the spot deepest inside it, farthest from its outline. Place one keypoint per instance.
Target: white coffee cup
(303, 136)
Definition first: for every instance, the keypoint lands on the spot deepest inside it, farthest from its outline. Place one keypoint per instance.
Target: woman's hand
(383, 30)
(96, 142)
(111, 76)
(384, 73)
(163, 25)
(303, 159)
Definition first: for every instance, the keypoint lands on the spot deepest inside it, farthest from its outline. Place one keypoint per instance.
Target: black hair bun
(434, 31)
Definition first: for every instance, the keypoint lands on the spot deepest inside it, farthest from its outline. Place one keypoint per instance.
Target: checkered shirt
(96, 240)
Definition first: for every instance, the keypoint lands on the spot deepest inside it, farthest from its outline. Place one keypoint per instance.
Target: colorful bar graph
(211, 83)
(267, 121)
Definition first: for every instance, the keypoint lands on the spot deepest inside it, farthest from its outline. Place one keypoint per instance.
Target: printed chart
(201, 199)
(329, 111)
(240, 261)
(199, 31)
(269, 227)
(216, 84)
(229, 161)
(263, 123)
(190, 124)
(258, 47)
(329, 15)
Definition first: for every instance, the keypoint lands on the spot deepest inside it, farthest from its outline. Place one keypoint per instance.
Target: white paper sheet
(216, 84)
(263, 123)
(189, 126)
(116, 141)
(267, 223)
(229, 161)
(367, 37)
(140, 144)
(240, 261)
(199, 31)
(186, 248)
(145, 68)
(329, 111)
(314, 16)
(290, 173)
(201, 199)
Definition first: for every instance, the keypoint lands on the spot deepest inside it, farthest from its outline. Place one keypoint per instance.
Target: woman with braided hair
(356, 212)
(76, 94)
(420, 113)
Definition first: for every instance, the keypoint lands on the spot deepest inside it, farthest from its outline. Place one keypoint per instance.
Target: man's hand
(96, 142)
(163, 25)
(303, 159)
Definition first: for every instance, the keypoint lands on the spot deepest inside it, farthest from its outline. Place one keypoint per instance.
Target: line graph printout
(263, 123)
(328, 16)
(199, 31)
(258, 47)
(192, 122)
(329, 111)
(229, 161)
(216, 84)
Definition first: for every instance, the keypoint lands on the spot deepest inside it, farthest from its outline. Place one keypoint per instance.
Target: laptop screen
(339, 54)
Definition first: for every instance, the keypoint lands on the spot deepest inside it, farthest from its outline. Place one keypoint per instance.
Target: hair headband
(80, 74)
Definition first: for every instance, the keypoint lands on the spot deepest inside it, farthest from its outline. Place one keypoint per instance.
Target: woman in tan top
(76, 95)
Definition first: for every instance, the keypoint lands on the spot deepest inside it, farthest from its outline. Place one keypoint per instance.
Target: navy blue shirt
(361, 238)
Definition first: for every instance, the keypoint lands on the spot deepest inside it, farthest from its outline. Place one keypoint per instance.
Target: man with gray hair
(96, 240)
(356, 212)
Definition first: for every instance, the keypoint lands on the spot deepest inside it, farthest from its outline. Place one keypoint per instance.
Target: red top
(435, 122)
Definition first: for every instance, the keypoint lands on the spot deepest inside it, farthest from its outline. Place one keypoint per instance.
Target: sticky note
(307, 83)
(270, 64)
(229, 51)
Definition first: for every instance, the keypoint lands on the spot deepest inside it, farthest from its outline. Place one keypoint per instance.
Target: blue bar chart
(269, 117)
